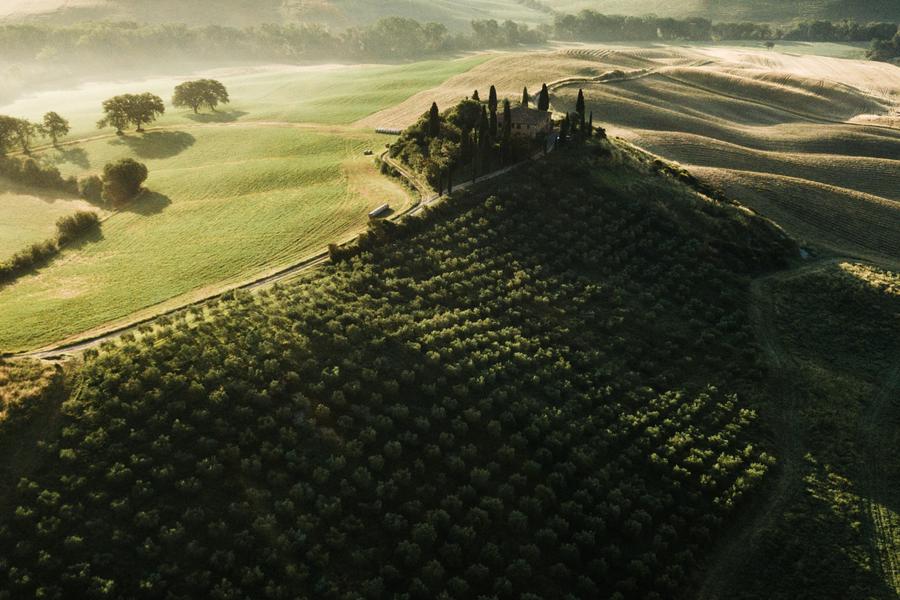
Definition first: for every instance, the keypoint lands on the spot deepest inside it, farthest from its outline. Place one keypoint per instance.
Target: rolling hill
(535, 386)
(810, 141)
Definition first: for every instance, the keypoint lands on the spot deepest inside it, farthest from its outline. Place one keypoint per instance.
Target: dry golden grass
(837, 219)
(509, 73)
(805, 140)
(810, 141)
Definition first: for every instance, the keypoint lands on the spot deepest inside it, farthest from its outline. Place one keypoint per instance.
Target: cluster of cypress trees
(476, 137)
(473, 137)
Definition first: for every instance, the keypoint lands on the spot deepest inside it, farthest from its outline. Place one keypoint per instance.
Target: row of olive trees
(141, 109)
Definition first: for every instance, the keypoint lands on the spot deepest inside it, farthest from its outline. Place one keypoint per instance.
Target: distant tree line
(392, 37)
(590, 25)
(120, 43)
(886, 50)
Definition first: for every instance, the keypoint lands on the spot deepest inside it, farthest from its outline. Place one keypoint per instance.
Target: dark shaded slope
(529, 389)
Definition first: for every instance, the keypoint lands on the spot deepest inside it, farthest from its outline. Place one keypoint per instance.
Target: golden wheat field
(812, 142)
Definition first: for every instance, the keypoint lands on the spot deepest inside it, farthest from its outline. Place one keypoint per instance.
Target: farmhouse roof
(529, 116)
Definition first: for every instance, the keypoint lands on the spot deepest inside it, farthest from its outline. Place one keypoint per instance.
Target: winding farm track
(734, 550)
(427, 197)
(876, 435)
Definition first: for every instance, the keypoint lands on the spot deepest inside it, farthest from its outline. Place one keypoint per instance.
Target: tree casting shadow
(217, 117)
(91, 237)
(157, 144)
(147, 203)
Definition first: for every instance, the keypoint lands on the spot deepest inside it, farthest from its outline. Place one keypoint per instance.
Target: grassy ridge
(794, 137)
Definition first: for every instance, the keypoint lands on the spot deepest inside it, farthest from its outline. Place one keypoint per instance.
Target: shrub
(22, 261)
(91, 188)
(73, 226)
(122, 180)
(29, 172)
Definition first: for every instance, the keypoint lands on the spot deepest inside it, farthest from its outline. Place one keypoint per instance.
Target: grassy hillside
(29, 216)
(336, 13)
(545, 384)
(832, 329)
(805, 140)
(273, 178)
(738, 10)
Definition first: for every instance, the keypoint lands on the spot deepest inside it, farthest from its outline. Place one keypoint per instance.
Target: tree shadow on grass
(147, 203)
(157, 144)
(217, 117)
(72, 155)
(90, 237)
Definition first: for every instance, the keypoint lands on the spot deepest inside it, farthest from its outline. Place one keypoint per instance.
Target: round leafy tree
(122, 180)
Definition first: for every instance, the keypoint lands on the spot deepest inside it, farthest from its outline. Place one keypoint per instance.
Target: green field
(28, 218)
(274, 178)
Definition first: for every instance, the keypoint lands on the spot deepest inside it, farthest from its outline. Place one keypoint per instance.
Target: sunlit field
(269, 179)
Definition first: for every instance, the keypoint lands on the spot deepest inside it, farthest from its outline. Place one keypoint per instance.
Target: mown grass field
(28, 217)
(271, 179)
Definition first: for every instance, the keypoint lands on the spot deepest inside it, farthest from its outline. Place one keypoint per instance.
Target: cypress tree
(492, 106)
(590, 126)
(525, 98)
(465, 145)
(579, 104)
(544, 99)
(564, 130)
(484, 139)
(434, 121)
(506, 141)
